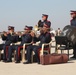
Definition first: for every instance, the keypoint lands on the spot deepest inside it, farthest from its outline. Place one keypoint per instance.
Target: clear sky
(19, 13)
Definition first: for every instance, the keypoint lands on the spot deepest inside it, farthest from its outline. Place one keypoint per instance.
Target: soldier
(44, 37)
(44, 20)
(73, 23)
(10, 38)
(26, 38)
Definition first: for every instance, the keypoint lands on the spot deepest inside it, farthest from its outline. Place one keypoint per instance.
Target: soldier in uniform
(10, 38)
(26, 38)
(44, 37)
(73, 23)
(44, 20)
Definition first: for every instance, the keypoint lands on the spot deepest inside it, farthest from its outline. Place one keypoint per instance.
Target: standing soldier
(44, 20)
(44, 37)
(73, 23)
(26, 38)
(10, 38)
(41, 23)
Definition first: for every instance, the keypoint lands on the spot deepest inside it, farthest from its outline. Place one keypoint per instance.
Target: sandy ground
(35, 69)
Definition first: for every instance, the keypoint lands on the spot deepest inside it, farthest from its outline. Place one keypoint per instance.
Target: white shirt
(1, 41)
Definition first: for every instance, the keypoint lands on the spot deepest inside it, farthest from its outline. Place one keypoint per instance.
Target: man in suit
(58, 32)
(44, 37)
(9, 39)
(26, 38)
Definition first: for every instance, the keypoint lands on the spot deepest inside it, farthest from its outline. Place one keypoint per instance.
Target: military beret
(10, 27)
(28, 28)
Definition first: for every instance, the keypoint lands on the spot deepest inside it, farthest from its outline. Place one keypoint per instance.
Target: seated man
(1, 42)
(9, 38)
(26, 38)
(45, 37)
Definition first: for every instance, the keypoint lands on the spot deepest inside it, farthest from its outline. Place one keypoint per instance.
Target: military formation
(11, 39)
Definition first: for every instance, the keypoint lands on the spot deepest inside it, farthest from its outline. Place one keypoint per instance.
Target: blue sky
(27, 12)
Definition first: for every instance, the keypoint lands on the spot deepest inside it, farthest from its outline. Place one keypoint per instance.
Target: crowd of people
(10, 39)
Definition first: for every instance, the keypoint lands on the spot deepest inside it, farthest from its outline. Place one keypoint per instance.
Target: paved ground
(35, 69)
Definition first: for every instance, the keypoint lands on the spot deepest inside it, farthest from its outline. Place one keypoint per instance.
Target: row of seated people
(28, 38)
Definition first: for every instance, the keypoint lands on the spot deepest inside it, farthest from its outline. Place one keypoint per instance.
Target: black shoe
(38, 62)
(9, 61)
(73, 57)
(27, 63)
(4, 60)
(17, 62)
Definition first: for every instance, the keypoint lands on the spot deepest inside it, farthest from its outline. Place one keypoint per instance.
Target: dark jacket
(43, 38)
(73, 22)
(40, 23)
(26, 38)
(10, 39)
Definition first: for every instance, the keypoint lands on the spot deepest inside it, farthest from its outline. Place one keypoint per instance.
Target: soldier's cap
(45, 15)
(46, 25)
(10, 27)
(28, 28)
(73, 12)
